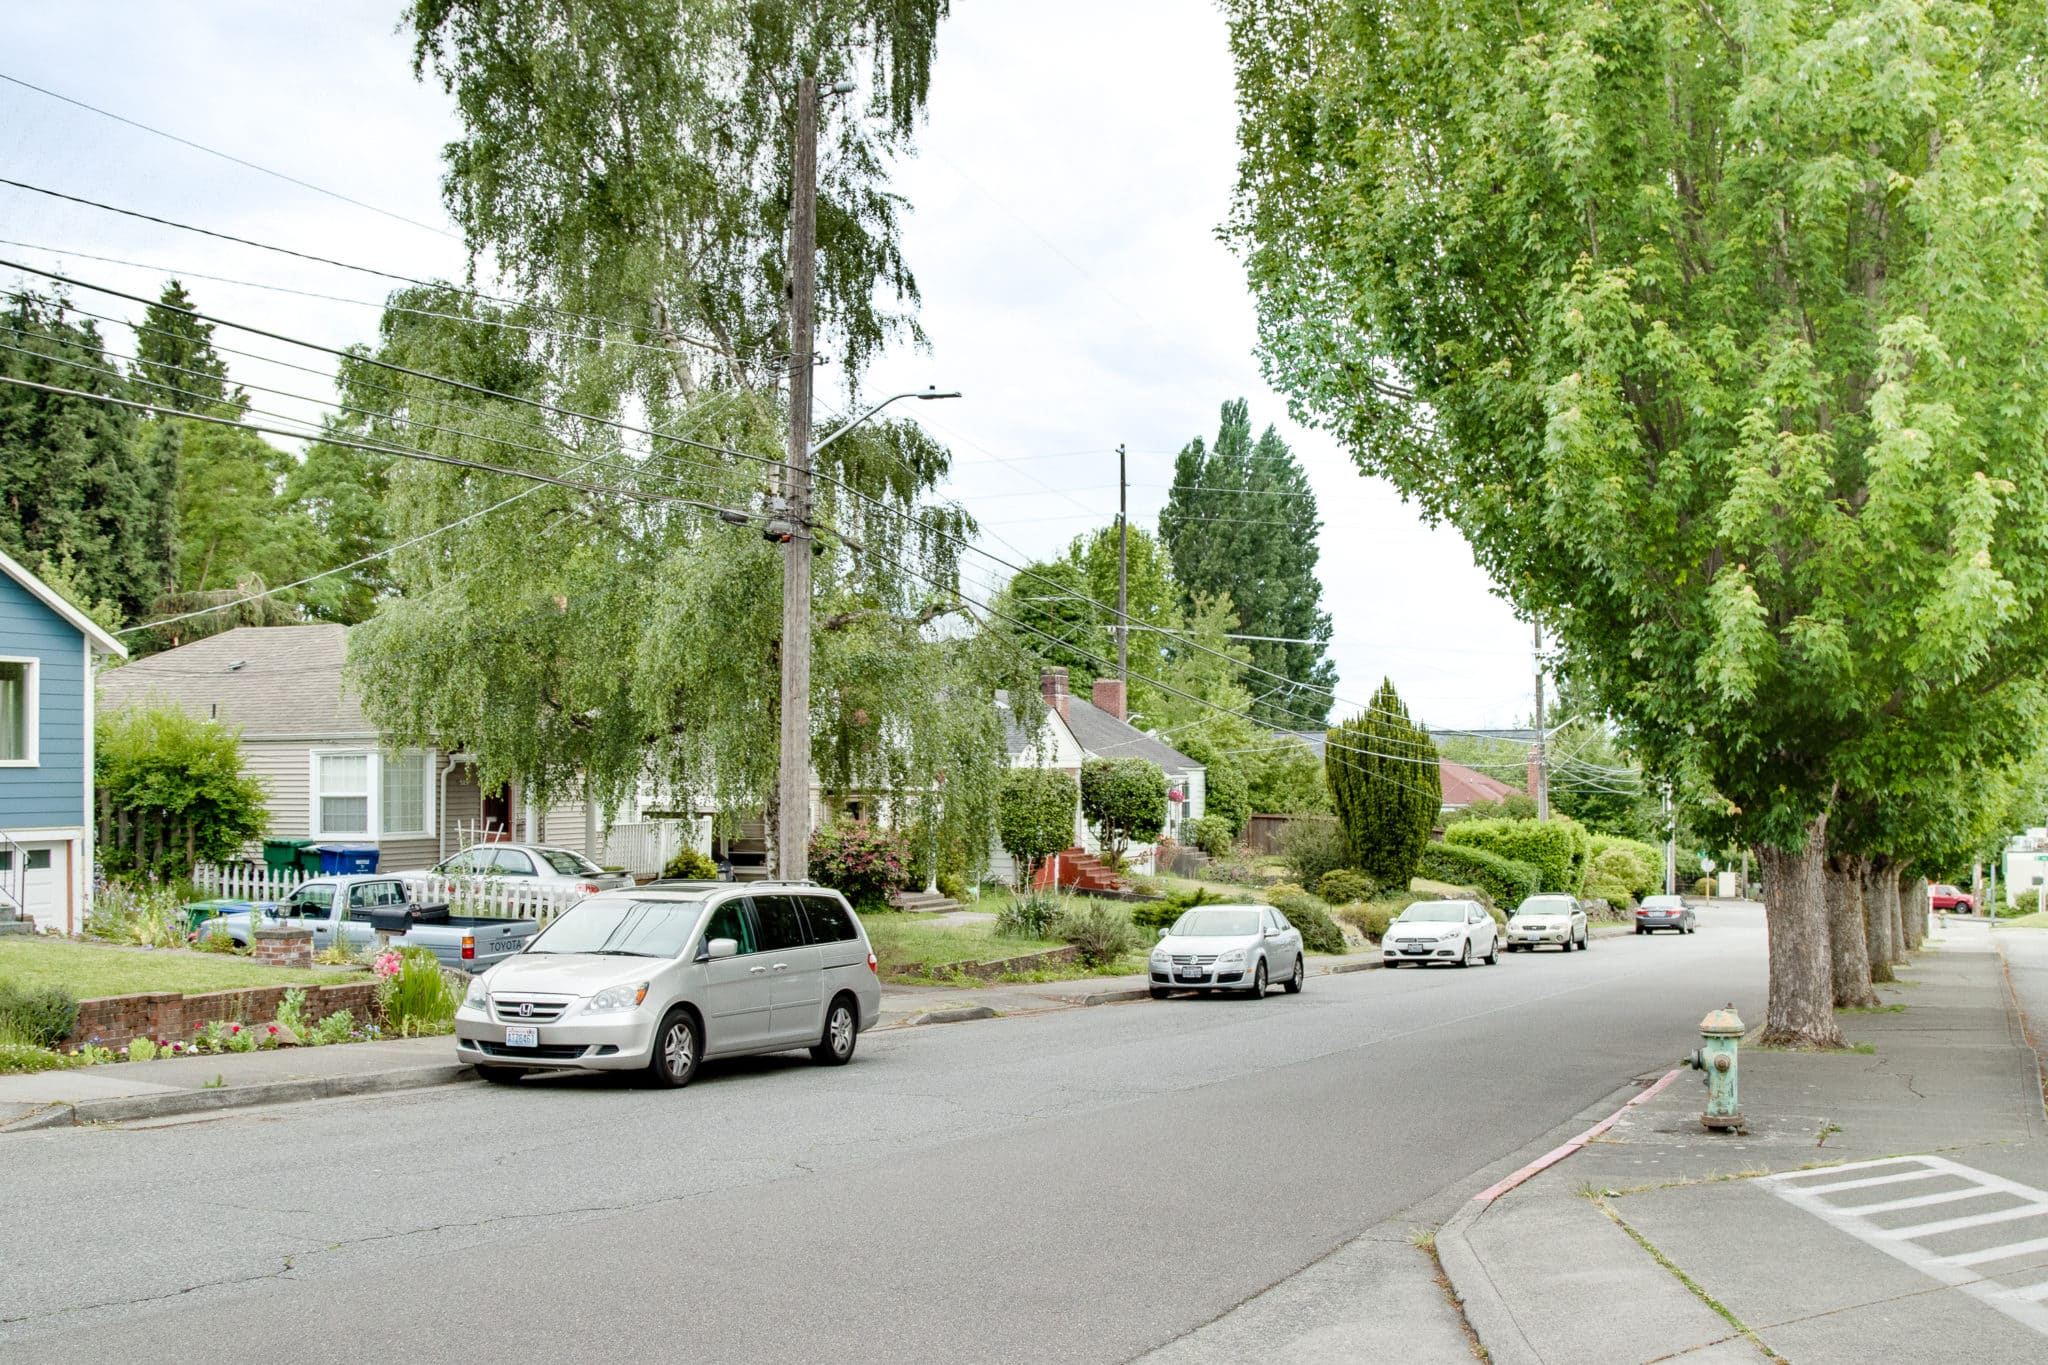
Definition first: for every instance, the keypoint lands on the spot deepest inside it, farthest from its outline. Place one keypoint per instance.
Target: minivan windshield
(621, 928)
(1440, 912)
(1217, 923)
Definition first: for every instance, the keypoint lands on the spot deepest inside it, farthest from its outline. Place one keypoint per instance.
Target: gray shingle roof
(1104, 736)
(288, 681)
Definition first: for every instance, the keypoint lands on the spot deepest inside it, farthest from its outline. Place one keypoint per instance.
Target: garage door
(39, 880)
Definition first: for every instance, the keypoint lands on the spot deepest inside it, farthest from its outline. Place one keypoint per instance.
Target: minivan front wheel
(836, 1047)
(678, 1050)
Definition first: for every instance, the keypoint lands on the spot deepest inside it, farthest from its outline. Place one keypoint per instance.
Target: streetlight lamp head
(842, 86)
(932, 393)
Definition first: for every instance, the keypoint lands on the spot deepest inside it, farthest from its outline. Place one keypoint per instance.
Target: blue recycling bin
(343, 859)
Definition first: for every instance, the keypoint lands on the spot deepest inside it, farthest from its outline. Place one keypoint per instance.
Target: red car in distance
(1941, 896)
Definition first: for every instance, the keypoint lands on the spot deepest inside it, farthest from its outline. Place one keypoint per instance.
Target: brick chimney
(1053, 683)
(1109, 696)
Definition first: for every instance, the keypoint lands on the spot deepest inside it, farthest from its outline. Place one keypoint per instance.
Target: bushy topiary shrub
(1343, 885)
(40, 1017)
(1504, 880)
(1651, 856)
(1386, 787)
(690, 865)
(1035, 816)
(1210, 833)
(864, 861)
(1319, 933)
(1100, 931)
(1125, 799)
(1555, 848)
(1614, 875)
(1312, 846)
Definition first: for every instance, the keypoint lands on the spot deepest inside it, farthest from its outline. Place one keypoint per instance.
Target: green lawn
(2037, 920)
(90, 970)
(906, 943)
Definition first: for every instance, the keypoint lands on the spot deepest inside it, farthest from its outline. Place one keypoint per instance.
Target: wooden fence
(495, 898)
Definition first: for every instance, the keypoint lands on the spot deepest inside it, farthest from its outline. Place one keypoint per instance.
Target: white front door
(38, 878)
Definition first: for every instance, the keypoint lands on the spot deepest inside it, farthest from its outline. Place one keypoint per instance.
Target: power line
(225, 156)
(321, 260)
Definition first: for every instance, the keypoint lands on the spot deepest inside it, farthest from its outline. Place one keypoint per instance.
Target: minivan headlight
(617, 998)
(479, 996)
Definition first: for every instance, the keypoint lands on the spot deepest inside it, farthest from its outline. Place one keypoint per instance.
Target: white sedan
(1548, 919)
(1228, 948)
(1441, 931)
(532, 863)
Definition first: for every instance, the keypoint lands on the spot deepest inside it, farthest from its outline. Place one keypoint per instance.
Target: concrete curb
(1340, 968)
(130, 1108)
(953, 1016)
(1484, 1308)
(1113, 997)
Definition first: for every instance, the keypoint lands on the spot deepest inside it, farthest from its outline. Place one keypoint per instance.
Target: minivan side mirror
(721, 947)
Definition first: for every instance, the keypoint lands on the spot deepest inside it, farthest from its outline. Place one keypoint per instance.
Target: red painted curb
(1557, 1154)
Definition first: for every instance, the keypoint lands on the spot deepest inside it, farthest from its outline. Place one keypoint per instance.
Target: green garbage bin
(202, 911)
(282, 855)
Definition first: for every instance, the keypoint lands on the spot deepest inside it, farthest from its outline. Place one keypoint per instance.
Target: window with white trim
(405, 793)
(366, 794)
(18, 726)
(341, 794)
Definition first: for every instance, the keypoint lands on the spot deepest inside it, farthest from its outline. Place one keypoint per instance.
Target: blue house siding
(53, 792)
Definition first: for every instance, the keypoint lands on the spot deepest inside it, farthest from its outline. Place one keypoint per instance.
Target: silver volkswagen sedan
(1228, 948)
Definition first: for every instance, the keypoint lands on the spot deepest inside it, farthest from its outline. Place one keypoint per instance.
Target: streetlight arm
(892, 398)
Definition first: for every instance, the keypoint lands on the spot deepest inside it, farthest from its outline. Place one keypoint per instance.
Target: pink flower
(273, 1028)
(234, 1028)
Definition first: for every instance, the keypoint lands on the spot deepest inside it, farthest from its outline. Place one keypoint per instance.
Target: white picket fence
(496, 898)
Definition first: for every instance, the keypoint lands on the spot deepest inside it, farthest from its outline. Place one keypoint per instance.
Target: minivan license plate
(526, 1036)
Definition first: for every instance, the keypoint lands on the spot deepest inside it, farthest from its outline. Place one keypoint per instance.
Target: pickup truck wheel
(678, 1050)
(501, 1075)
(835, 1048)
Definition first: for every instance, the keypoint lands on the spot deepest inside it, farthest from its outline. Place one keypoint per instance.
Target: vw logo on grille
(525, 1009)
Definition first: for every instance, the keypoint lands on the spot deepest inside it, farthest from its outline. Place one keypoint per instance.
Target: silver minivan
(662, 977)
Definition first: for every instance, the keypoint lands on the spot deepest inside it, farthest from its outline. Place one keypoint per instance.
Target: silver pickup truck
(365, 907)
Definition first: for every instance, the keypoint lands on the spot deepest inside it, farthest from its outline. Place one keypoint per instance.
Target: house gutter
(441, 812)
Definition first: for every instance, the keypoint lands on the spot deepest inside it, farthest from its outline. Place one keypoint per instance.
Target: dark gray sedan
(1664, 912)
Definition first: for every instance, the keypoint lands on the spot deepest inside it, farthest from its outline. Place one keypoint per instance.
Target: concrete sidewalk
(1658, 1239)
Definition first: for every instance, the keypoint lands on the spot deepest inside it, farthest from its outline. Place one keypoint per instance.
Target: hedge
(1319, 933)
(1505, 880)
(1556, 849)
(1651, 856)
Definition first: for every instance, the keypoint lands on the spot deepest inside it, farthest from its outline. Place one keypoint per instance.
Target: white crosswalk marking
(1817, 1192)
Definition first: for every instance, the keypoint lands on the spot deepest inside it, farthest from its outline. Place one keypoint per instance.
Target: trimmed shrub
(1319, 933)
(1125, 799)
(1703, 888)
(1555, 848)
(1386, 787)
(690, 865)
(1342, 885)
(40, 1017)
(1614, 875)
(1035, 816)
(1651, 856)
(176, 784)
(1100, 931)
(1503, 880)
(1210, 833)
(1152, 916)
(1313, 846)
(860, 859)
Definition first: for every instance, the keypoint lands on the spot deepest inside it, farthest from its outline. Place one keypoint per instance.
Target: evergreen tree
(1241, 520)
(83, 483)
(175, 363)
(1386, 786)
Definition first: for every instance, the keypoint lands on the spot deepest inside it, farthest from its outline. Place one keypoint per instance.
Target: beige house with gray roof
(331, 774)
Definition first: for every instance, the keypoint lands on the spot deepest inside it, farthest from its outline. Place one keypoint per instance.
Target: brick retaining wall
(116, 1019)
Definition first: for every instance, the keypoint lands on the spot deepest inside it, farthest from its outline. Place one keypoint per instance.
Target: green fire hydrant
(1719, 1033)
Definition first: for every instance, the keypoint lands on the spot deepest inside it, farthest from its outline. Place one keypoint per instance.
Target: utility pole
(793, 780)
(1542, 759)
(1123, 564)
(1670, 846)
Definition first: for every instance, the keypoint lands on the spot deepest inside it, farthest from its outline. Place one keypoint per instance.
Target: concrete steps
(925, 903)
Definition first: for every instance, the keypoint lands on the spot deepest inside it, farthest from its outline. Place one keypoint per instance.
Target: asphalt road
(1077, 1186)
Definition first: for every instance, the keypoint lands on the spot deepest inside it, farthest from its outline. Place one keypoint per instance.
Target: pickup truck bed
(370, 910)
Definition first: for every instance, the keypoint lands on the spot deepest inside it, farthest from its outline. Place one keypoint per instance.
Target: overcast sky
(1066, 194)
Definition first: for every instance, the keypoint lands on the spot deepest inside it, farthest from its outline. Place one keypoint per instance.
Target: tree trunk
(1914, 909)
(1908, 941)
(1801, 1012)
(1848, 939)
(1898, 925)
(1877, 874)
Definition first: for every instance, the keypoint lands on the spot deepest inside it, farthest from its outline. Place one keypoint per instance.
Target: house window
(372, 795)
(18, 712)
(405, 792)
(341, 793)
